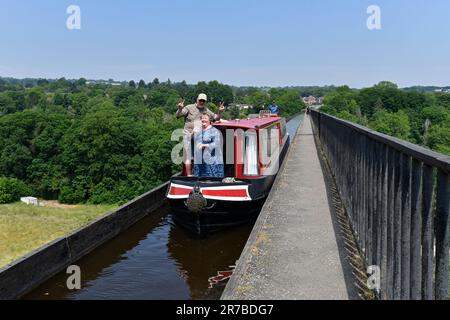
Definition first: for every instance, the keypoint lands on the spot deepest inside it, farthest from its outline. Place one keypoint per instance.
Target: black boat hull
(224, 214)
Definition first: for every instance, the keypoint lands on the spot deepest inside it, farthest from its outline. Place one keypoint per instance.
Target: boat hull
(224, 214)
(218, 212)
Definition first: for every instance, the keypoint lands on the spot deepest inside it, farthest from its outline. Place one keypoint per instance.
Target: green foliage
(436, 114)
(72, 194)
(35, 97)
(29, 147)
(234, 113)
(6, 104)
(395, 124)
(215, 91)
(289, 102)
(345, 115)
(343, 99)
(420, 117)
(443, 99)
(163, 97)
(101, 142)
(12, 189)
(438, 138)
(258, 99)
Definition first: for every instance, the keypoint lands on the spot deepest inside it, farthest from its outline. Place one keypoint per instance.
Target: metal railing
(397, 196)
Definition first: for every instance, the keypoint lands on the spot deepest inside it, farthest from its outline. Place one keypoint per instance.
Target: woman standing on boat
(208, 158)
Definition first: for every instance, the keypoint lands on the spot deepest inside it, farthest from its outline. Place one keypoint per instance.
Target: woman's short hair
(207, 116)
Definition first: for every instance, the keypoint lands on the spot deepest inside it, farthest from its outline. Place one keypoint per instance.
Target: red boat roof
(254, 123)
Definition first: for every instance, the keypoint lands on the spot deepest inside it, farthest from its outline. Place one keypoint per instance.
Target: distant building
(310, 101)
(440, 90)
(102, 82)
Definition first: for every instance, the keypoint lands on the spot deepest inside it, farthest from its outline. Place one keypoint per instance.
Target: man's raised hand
(181, 103)
(222, 106)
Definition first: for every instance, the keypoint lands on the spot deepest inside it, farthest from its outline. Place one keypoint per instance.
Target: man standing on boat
(273, 108)
(192, 123)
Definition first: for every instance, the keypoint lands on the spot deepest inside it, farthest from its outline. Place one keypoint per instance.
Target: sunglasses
(202, 101)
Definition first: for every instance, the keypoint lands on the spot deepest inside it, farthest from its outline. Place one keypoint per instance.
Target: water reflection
(199, 259)
(155, 259)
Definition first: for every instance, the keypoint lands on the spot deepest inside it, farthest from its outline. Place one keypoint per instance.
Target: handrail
(425, 155)
(397, 197)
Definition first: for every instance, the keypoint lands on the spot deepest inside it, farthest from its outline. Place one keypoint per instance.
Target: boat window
(269, 140)
(251, 154)
(228, 151)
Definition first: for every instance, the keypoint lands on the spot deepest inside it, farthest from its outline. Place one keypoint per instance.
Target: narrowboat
(253, 149)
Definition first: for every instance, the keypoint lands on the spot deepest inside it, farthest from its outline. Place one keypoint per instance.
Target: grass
(25, 228)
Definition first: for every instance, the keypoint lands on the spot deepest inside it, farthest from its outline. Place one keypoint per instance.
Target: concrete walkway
(292, 252)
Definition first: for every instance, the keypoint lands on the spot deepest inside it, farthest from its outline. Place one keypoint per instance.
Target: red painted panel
(175, 191)
(225, 193)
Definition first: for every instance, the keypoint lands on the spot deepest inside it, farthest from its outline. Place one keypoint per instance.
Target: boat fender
(196, 202)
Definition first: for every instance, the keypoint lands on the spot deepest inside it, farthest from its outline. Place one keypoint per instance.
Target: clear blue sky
(240, 42)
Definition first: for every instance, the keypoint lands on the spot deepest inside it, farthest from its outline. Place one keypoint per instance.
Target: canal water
(156, 259)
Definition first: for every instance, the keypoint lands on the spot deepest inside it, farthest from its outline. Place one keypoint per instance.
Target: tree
(42, 82)
(34, 97)
(387, 85)
(163, 96)
(436, 114)
(142, 84)
(6, 104)
(215, 91)
(438, 138)
(258, 99)
(345, 115)
(18, 97)
(290, 103)
(12, 189)
(80, 82)
(155, 82)
(234, 112)
(79, 103)
(341, 99)
(393, 124)
(97, 148)
(443, 99)
(121, 95)
(378, 105)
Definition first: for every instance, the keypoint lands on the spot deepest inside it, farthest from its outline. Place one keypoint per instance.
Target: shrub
(12, 189)
(71, 195)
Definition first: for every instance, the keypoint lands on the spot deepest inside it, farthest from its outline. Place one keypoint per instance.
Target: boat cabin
(251, 146)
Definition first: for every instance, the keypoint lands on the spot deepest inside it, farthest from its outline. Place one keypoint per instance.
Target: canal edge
(27, 273)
